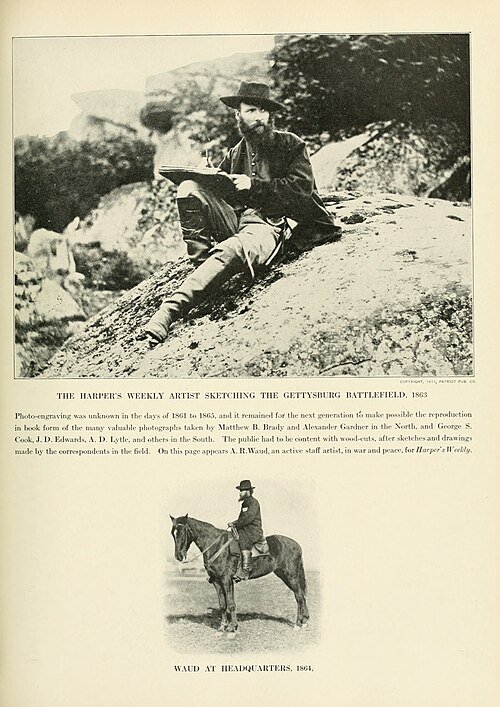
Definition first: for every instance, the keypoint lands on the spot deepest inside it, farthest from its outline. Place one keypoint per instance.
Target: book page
(378, 494)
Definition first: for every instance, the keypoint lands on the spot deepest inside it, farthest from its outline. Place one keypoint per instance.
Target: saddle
(259, 549)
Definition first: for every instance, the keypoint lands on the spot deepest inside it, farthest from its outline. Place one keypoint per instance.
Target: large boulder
(428, 159)
(137, 219)
(47, 284)
(222, 75)
(106, 113)
(51, 253)
(392, 297)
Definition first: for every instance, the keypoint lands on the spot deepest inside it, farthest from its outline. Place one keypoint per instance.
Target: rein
(219, 551)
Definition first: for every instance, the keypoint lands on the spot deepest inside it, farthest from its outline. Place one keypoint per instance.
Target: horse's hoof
(297, 627)
(232, 635)
(305, 624)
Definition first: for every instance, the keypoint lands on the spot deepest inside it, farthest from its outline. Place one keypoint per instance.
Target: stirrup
(242, 573)
(241, 578)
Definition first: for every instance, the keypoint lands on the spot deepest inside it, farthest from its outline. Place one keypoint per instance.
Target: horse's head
(182, 536)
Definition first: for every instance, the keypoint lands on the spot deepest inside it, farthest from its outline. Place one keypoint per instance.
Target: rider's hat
(245, 485)
(254, 93)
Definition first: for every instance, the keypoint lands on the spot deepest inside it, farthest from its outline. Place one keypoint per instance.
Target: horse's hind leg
(296, 581)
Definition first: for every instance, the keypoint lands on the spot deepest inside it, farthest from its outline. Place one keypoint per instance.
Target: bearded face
(255, 125)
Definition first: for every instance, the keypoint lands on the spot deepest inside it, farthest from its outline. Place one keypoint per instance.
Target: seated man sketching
(273, 180)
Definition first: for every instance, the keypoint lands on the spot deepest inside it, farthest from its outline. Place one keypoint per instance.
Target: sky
(48, 70)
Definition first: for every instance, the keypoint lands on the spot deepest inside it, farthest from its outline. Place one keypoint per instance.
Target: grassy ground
(266, 611)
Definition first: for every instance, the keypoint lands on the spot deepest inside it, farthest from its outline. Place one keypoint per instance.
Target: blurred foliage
(59, 178)
(107, 270)
(341, 83)
(157, 115)
(23, 228)
(37, 344)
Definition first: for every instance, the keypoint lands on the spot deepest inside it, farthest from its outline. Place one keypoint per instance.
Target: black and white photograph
(243, 568)
(241, 206)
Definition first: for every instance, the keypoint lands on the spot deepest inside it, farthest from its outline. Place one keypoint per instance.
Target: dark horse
(285, 560)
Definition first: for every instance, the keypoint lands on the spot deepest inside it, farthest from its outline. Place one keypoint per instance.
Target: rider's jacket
(249, 523)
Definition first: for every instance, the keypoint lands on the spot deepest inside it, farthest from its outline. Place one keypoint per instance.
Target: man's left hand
(241, 181)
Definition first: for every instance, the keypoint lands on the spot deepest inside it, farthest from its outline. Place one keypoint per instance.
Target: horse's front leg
(231, 606)
(221, 595)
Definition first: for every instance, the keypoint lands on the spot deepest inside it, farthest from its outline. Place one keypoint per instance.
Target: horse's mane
(204, 523)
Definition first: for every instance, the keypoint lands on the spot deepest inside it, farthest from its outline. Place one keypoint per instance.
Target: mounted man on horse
(283, 556)
(247, 529)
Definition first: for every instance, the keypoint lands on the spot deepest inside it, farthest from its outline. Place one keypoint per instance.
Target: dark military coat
(249, 523)
(282, 180)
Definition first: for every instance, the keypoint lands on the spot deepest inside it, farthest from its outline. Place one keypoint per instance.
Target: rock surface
(138, 219)
(107, 112)
(392, 297)
(221, 75)
(429, 160)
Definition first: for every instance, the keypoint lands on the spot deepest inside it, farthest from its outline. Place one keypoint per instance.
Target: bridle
(189, 535)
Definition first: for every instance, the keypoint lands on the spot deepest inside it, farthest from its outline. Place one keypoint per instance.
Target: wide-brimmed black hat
(254, 93)
(245, 485)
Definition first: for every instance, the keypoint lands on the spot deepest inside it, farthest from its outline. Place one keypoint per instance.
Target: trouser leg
(205, 219)
(257, 240)
(211, 274)
(246, 251)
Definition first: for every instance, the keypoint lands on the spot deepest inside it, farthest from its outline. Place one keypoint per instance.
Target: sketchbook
(209, 177)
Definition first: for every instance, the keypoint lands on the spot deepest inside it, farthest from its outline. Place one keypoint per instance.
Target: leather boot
(221, 266)
(246, 566)
(193, 226)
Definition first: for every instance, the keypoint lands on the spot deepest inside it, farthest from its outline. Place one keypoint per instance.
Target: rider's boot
(246, 566)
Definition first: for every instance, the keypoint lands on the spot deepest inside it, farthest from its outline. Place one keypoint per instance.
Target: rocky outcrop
(51, 254)
(328, 159)
(46, 300)
(392, 297)
(111, 112)
(107, 113)
(429, 159)
(220, 75)
(137, 219)
(47, 283)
